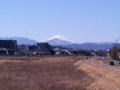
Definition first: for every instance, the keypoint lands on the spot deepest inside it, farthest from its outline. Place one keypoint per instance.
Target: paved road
(92, 61)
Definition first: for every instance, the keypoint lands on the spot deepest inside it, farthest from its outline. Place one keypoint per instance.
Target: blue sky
(79, 20)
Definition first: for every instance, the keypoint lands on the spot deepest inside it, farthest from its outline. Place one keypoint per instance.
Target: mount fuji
(59, 40)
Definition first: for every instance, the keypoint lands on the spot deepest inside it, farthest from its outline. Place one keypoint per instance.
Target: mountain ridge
(20, 40)
(58, 42)
(60, 37)
(90, 46)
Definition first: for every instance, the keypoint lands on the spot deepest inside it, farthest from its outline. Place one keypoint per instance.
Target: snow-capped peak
(61, 37)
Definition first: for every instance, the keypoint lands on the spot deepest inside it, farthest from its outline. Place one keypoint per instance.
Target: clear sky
(79, 20)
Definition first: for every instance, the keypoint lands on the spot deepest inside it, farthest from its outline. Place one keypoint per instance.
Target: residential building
(23, 49)
(43, 48)
(8, 47)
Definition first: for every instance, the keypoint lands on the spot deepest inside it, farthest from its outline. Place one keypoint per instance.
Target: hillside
(106, 78)
(90, 46)
(20, 40)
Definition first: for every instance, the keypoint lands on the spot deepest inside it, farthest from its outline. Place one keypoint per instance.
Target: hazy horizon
(78, 20)
(7, 38)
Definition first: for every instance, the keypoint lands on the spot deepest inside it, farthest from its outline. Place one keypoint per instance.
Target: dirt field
(56, 73)
(42, 73)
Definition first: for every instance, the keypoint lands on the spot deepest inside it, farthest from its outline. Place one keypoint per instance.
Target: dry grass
(105, 78)
(42, 73)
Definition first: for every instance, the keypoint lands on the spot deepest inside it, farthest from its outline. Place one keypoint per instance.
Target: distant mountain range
(59, 40)
(103, 46)
(20, 40)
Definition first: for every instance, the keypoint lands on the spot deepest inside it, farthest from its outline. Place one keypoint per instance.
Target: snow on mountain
(60, 37)
(59, 40)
